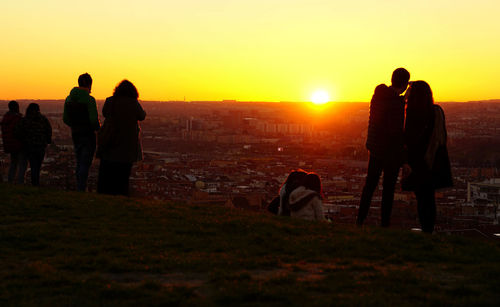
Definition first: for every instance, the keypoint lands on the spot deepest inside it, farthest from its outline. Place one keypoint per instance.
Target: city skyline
(249, 51)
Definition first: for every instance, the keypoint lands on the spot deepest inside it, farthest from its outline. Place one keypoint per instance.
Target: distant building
(483, 199)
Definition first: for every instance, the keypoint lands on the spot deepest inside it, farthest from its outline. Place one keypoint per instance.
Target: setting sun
(320, 97)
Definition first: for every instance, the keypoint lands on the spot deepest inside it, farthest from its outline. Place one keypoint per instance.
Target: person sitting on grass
(306, 200)
(291, 183)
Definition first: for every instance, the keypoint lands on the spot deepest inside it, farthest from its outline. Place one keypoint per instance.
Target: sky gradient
(259, 50)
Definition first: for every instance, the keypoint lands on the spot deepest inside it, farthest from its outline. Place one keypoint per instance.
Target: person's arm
(93, 116)
(141, 114)
(106, 109)
(66, 119)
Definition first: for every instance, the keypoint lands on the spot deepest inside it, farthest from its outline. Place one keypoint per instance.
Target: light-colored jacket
(282, 195)
(306, 204)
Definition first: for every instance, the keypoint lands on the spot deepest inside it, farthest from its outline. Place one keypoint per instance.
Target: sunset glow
(249, 50)
(320, 97)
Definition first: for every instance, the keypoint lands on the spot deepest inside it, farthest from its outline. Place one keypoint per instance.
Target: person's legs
(36, 159)
(14, 162)
(122, 178)
(426, 206)
(391, 171)
(85, 146)
(372, 178)
(105, 178)
(22, 166)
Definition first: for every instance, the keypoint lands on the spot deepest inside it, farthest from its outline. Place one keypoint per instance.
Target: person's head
(14, 106)
(126, 89)
(399, 80)
(32, 109)
(294, 179)
(85, 81)
(419, 97)
(295, 175)
(312, 182)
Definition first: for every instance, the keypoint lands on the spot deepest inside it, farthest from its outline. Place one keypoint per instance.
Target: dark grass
(59, 248)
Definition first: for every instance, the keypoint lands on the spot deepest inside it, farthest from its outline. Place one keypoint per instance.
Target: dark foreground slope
(59, 248)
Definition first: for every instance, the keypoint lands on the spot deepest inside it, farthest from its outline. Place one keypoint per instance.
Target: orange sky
(266, 50)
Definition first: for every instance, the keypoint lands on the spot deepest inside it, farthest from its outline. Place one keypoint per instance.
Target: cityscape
(237, 154)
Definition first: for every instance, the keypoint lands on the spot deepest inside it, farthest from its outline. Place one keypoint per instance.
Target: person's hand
(406, 170)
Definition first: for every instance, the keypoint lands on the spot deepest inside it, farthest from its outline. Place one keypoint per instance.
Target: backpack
(78, 115)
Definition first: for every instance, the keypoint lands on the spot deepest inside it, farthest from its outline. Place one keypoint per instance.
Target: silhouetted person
(292, 182)
(80, 113)
(12, 145)
(119, 140)
(385, 144)
(306, 200)
(35, 133)
(428, 165)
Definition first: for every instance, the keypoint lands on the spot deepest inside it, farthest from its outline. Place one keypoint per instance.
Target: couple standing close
(119, 145)
(417, 143)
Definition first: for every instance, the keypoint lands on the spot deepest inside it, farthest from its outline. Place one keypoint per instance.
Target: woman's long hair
(126, 89)
(420, 100)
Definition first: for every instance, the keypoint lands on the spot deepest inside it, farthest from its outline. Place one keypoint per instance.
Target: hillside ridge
(88, 249)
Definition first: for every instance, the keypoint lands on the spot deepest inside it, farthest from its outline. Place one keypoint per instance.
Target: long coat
(427, 154)
(122, 114)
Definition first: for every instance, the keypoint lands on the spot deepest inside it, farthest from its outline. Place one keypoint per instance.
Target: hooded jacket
(306, 204)
(385, 126)
(10, 143)
(80, 112)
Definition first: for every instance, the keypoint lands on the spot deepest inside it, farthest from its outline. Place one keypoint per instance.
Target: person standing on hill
(80, 113)
(385, 144)
(427, 164)
(119, 139)
(35, 132)
(12, 145)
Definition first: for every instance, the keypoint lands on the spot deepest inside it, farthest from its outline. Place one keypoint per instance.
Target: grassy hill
(59, 248)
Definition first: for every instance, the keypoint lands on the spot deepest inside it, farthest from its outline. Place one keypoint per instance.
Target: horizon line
(493, 100)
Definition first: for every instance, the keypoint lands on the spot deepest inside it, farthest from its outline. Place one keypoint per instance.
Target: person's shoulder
(301, 192)
(381, 92)
(42, 117)
(381, 87)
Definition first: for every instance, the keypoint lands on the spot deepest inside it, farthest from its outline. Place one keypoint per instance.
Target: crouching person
(306, 200)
